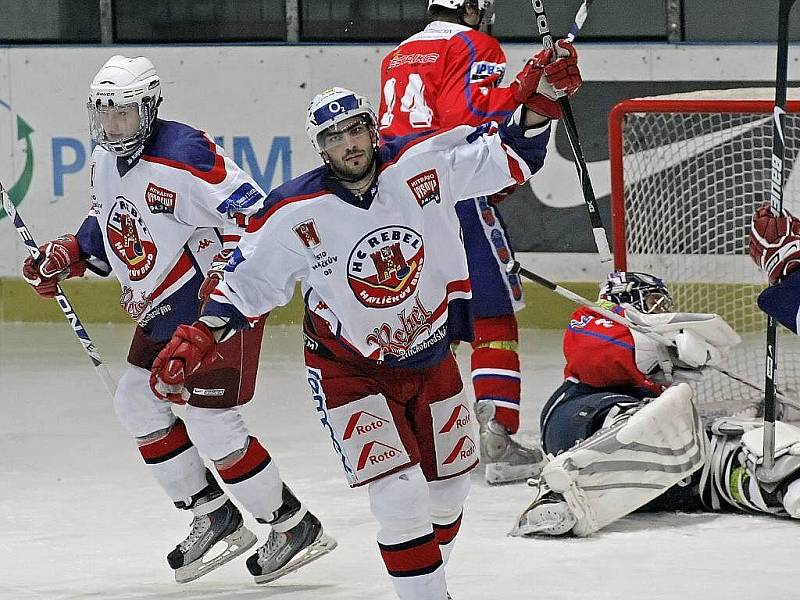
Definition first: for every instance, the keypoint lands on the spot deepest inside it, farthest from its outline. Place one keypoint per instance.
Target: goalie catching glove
(697, 340)
(543, 80)
(58, 260)
(775, 243)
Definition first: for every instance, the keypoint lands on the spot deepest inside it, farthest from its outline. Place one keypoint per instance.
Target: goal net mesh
(693, 168)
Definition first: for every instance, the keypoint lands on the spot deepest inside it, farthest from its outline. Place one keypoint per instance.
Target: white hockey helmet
(486, 7)
(123, 103)
(332, 106)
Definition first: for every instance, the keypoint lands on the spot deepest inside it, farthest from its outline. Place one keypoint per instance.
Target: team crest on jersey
(130, 239)
(307, 232)
(426, 187)
(159, 200)
(384, 268)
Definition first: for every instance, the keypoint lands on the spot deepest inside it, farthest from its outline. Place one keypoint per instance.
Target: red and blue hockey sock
(495, 367)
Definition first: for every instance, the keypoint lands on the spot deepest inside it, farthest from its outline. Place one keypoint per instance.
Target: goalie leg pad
(624, 466)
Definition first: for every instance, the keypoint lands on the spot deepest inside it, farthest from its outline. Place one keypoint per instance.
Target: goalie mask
(484, 7)
(646, 293)
(123, 104)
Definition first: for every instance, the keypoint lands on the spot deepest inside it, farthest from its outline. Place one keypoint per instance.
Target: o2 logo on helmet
(130, 239)
(383, 269)
(335, 107)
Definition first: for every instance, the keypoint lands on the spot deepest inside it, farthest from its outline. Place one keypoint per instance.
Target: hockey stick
(61, 299)
(600, 238)
(515, 267)
(776, 202)
(580, 19)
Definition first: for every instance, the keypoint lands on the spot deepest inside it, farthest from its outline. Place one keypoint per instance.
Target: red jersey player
(448, 75)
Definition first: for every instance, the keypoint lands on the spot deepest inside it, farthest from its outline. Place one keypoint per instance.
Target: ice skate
(548, 514)
(296, 539)
(506, 460)
(218, 536)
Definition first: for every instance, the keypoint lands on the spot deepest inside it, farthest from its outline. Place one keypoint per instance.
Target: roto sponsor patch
(463, 450)
(362, 423)
(384, 268)
(375, 453)
(460, 417)
(426, 187)
(130, 239)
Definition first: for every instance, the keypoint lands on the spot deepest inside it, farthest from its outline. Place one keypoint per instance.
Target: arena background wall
(252, 100)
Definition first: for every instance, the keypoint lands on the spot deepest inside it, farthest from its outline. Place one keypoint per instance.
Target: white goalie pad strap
(621, 468)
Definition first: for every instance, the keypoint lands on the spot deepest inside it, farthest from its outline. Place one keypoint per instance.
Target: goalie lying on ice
(624, 440)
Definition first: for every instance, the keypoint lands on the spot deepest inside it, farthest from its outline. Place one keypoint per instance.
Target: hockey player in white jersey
(168, 207)
(373, 238)
(624, 439)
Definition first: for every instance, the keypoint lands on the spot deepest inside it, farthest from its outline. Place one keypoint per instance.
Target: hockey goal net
(688, 170)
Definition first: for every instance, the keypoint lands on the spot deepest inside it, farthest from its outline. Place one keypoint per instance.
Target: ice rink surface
(80, 517)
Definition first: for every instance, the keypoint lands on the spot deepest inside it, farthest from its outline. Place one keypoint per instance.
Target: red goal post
(687, 172)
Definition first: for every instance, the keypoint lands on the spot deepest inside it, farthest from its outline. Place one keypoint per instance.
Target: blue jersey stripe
(473, 109)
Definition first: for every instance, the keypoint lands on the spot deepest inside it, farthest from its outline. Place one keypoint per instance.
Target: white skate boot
(506, 460)
(216, 521)
(296, 539)
(548, 514)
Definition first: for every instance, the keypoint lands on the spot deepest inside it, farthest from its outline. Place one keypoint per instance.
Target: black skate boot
(296, 539)
(506, 460)
(216, 520)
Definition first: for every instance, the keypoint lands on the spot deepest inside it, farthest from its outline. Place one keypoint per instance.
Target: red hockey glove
(775, 243)
(59, 260)
(215, 274)
(191, 347)
(541, 83)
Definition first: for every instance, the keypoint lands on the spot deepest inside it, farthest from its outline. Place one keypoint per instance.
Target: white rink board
(257, 94)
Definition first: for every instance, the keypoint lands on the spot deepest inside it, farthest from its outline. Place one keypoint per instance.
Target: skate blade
(323, 545)
(503, 473)
(238, 542)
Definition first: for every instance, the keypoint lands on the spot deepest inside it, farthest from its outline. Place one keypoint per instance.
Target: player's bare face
(349, 148)
(120, 123)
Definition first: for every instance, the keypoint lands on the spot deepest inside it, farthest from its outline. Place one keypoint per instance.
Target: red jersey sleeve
(601, 353)
(469, 94)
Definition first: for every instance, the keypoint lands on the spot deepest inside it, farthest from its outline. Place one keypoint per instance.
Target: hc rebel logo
(130, 239)
(384, 268)
(362, 423)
